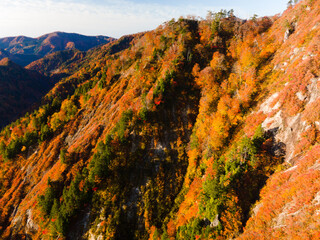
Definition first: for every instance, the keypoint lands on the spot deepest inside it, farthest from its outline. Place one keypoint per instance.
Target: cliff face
(196, 130)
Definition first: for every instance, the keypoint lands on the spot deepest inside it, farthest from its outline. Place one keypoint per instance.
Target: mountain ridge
(20, 48)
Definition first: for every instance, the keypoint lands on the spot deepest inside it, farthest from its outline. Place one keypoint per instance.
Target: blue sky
(114, 17)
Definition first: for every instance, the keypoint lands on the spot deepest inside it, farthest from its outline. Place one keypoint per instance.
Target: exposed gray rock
(256, 208)
(301, 96)
(265, 106)
(215, 222)
(30, 226)
(291, 28)
(287, 130)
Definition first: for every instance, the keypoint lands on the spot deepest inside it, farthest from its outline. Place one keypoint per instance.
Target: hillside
(22, 89)
(61, 64)
(57, 65)
(24, 50)
(199, 129)
(19, 90)
(21, 59)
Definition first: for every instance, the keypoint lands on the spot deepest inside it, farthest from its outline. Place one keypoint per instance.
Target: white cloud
(34, 16)
(106, 17)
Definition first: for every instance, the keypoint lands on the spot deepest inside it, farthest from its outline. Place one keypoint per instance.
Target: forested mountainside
(56, 62)
(23, 88)
(61, 64)
(19, 90)
(199, 129)
(24, 50)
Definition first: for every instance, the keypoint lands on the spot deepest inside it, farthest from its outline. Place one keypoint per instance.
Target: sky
(115, 18)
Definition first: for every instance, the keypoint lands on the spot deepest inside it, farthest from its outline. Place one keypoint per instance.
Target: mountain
(19, 90)
(199, 129)
(63, 63)
(58, 64)
(21, 59)
(24, 50)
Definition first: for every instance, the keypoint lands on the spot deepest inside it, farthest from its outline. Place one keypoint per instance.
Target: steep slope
(24, 87)
(19, 90)
(105, 103)
(24, 50)
(196, 130)
(289, 204)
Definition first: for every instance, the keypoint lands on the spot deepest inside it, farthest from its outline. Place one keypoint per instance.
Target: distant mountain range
(24, 50)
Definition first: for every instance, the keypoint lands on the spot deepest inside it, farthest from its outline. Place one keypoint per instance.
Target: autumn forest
(199, 129)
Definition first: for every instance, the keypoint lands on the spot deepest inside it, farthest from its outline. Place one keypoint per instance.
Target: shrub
(46, 201)
(101, 159)
(123, 124)
(45, 133)
(63, 155)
